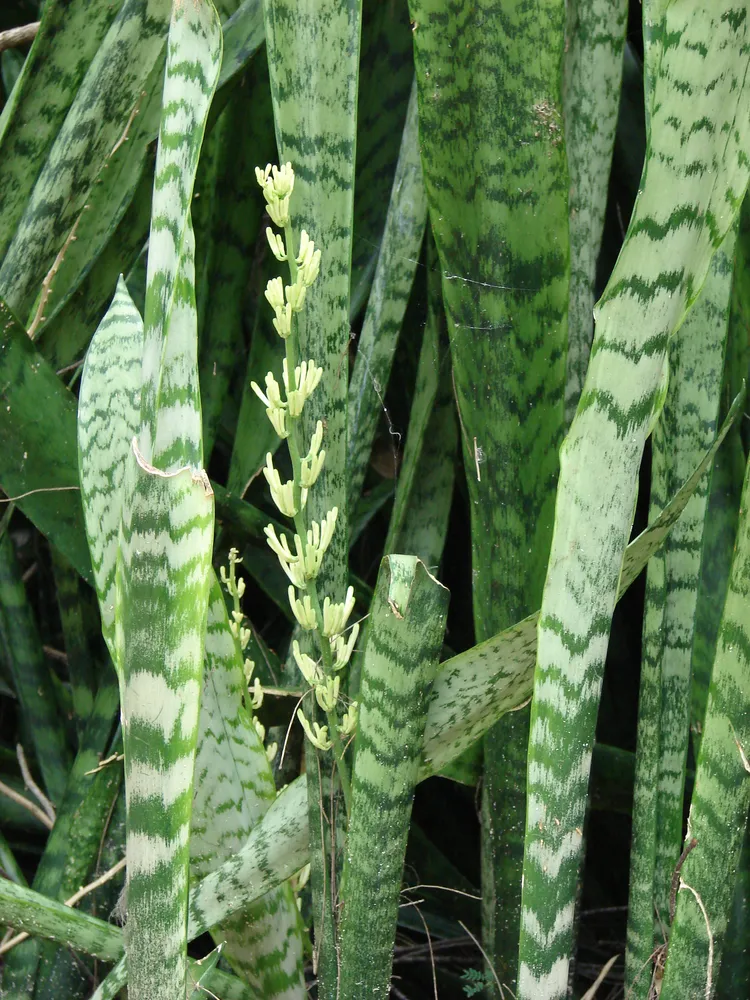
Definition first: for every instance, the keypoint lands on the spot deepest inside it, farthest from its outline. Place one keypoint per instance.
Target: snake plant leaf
(313, 60)
(667, 252)
(386, 71)
(474, 688)
(419, 520)
(164, 556)
(498, 198)
(407, 622)
(37, 445)
(394, 276)
(68, 38)
(234, 788)
(687, 424)
(30, 674)
(169, 435)
(721, 797)
(161, 596)
(107, 422)
(595, 37)
(65, 335)
(38, 915)
(96, 120)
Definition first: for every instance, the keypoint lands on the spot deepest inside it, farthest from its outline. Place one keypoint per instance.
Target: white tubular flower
(247, 669)
(283, 180)
(275, 405)
(342, 647)
(303, 611)
(256, 699)
(244, 638)
(271, 751)
(276, 243)
(349, 722)
(283, 322)
(260, 729)
(308, 260)
(319, 537)
(277, 184)
(295, 296)
(275, 294)
(317, 735)
(279, 545)
(307, 666)
(307, 377)
(313, 461)
(281, 493)
(335, 616)
(327, 693)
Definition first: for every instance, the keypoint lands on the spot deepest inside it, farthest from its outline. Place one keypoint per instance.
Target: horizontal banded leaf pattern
(721, 797)
(407, 622)
(233, 790)
(698, 156)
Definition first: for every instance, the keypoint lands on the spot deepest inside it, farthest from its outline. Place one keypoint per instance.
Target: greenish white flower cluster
(302, 557)
(235, 587)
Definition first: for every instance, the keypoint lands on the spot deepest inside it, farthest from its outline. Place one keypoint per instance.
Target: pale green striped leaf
(595, 35)
(107, 422)
(721, 797)
(694, 179)
(687, 424)
(394, 275)
(407, 621)
(234, 788)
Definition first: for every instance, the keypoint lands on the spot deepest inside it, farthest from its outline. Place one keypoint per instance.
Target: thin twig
(75, 898)
(693, 843)
(32, 786)
(445, 888)
(39, 316)
(710, 965)
(14, 37)
(55, 654)
(32, 807)
(432, 954)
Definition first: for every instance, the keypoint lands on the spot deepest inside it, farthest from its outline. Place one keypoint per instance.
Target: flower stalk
(302, 558)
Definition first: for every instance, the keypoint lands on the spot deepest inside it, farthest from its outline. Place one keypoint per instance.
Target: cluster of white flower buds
(235, 587)
(301, 560)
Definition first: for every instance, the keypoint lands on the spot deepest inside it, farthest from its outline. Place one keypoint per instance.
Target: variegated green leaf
(687, 424)
(408, 616)
(234, 788)
(161, 596)
(721, 797)
(313, 59)
(96, 120)
(107, 422)
(394, 275)
(68, 39)
(693, 182)
(595, 36)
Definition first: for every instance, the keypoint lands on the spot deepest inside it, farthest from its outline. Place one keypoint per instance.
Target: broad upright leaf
(687, 423)
(394, 274)
(595, 36)
(693, 182)
(69, 36)
(408, 616)
(721, 797)
(498, 198)
(313, 58)
(234, 788)
(96, 120)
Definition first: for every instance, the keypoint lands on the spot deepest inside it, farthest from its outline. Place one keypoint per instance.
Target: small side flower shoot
(302, 558)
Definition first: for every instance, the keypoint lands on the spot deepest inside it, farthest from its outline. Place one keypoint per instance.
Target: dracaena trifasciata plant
(468, 171)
